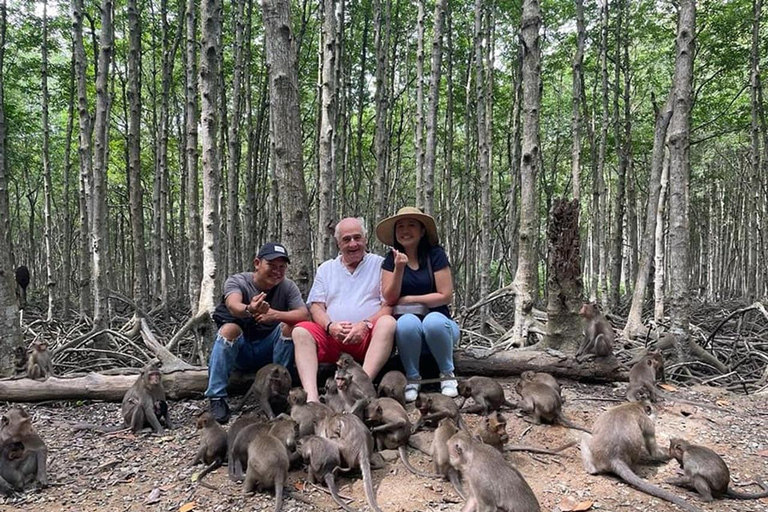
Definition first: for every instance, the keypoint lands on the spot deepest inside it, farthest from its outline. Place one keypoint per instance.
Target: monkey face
(344, 360)
(153, 378)
(297, 396)
(676, 449)
(465, 389)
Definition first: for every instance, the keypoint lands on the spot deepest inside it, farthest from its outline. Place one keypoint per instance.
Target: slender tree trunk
(210, 16)
(525, 278)
(286, 137)
(433, 102)
(483, 152)
(418, 146)
(50, 283)
(448, 216)
(755, 164)
(66, 264)
(194, 250)
(514, 150)
(659, 252)
(679, 177)
(629, 157)
(249, 250)
(234, 254)
(598, 184)
(140, 278)
(381, 9)
(329, 88)
(578, 62)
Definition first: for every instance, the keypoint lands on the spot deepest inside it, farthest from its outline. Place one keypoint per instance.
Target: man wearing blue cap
(249, 317)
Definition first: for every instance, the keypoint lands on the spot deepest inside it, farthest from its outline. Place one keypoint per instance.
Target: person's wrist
(248, 310)
(328, 327)
(368, 324)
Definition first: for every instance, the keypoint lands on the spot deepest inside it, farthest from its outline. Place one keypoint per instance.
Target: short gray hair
(360, 221)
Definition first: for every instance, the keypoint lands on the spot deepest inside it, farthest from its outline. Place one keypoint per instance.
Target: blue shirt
(419, 282)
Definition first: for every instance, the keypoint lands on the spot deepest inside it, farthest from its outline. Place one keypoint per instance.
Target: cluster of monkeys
(354, 420)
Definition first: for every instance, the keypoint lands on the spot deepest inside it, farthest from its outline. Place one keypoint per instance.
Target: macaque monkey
(22, 280)
(355, 395)
(17, 468)
(271, 385)
(544, 378)
(322, 458)
(493, 483)
(268, 465)
(598, 334)
(391, 429)
(705, 472)
(487, 394)
(392, 385)
(39, 365)
(213, 444)
(434, 407)
(440, 458)
(238, 426)
(306, 414)
(543, 403)
(492, 430)
(355, 444)
(623, 436)
(144, 403)
(282, 428)
(331, 398)
(16, 427)
(20, 360)
(642, 377)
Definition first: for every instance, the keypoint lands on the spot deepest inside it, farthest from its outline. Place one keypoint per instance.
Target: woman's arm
(443, 295)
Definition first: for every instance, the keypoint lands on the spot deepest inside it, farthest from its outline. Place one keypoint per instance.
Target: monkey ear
(648, 409)
(429, 402)
(649, 362)
(378, 410)
(4, 420)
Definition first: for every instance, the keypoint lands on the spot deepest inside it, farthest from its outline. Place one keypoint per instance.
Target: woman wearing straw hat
(416, 280)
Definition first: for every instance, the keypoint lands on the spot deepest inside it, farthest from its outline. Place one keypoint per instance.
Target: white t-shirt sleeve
(319, 293)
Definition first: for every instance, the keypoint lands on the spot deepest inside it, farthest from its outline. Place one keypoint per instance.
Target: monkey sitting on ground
(213, 444)
(322, 458)
(434, 407)
(17, 469)
(544, 378)
(598, 334)
(493, 484)
(543, 403)
(306, 414)
(16, 427)
(487, 394)
(440, 457)
(144, 403)
(392, 385)
(331, 398)
(39, 365)
(354, 385)
(705, 472)
(622, 437)
(271, 385)
(642, 377)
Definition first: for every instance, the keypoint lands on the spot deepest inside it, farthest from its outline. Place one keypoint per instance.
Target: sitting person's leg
(229, 340)
(380, 346)
(440, 334)
(258, 353)
(305, 344)
(408, 336)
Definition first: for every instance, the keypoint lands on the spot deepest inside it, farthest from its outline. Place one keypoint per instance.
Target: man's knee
(302, 337)
(230, 331)
(385, 324)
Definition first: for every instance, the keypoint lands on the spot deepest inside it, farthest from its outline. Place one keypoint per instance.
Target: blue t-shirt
(419, 282)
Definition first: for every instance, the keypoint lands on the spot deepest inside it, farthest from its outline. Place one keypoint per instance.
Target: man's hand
(401, 259)
(268, 317)
(356, 335)
(340, 330)
(258, 305)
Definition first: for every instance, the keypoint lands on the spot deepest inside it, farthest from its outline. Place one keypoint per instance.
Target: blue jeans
(439, 334)
(246, 356)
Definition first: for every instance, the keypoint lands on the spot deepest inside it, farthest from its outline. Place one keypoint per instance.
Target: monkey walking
(213, 444)
(705, 472)
(598, 333)
(487, 394)
(144, 403)
(621, 437)
(39, 364)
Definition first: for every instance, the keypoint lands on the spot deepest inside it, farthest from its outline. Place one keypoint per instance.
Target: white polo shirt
(349, 296)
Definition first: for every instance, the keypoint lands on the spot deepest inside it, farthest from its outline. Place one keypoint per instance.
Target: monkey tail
(511, 405)
(365, 468)
(568, 423)
(624, 472)
(216, 464)
(99, 428)
(330, 482)
(279, 484)
(747, 496)
(453, 476)
(407, 463)
(535, 449)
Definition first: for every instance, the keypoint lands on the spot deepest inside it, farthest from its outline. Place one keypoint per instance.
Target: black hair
(423, 249)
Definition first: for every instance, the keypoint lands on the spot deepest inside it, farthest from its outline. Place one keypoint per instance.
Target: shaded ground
(119, 472)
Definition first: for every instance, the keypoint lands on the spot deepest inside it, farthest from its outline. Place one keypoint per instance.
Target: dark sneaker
(220, 410)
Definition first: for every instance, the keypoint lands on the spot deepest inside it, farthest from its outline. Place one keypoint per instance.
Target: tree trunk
(483, 154)
(328, 124)
(679, 177)
(578, 62)
(598, 184)
(564, 285)
(210, 12)
(525, 278)
(659, 246)
(754, 272)
(100, 219)
(66, 264)
(50, 283)
(381, 9)
(433, 102)
(140, 278)
(418, 145)
(234, 254)
(286, 137)
(514, 150)
(194, 249)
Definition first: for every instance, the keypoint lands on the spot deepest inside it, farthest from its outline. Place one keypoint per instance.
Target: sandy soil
(122, 472)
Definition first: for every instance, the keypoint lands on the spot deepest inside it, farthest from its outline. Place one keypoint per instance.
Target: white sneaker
(412, 391)
(449, 387)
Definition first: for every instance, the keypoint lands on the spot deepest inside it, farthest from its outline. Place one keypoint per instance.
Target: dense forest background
(137, 161)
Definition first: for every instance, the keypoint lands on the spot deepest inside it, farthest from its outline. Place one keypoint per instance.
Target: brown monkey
(543, 403)
(492, 430)
(621, 437)
(39, 365)
(493, 483)
(331, 398)
(16, 427)
(213, 444)
(240, 423)
(282, 428)
(271, 385)
(487, 394)
(392, 385)
(434, 407)
(322, 458)
(642, 377)
(306, 414)
(268, 465)
(145, 401)
(391, 429)
(544, 378)
(355, 395)
(19, 360)
(17, 468)
(598, 334)
(705, 472)
(355, 444)
(444, 431)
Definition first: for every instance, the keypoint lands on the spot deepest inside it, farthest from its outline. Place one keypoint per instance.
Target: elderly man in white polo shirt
(348, 313)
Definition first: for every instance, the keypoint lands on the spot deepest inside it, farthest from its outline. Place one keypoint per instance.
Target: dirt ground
(122, 472)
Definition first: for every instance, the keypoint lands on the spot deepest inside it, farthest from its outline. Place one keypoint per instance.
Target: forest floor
(121, 472)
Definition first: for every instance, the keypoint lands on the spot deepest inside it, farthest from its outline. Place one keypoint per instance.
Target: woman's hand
(401, 259)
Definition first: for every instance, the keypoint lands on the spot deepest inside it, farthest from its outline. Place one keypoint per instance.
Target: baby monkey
(705, 472)
(39, 365)
(642, 376)
(213, 444)
(487, 394)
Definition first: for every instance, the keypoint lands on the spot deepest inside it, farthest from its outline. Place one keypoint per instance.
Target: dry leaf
(299, 486)
(723, 403)
(583, 505)
(763, 453)
(188, 507)
(571, 504)
(154, 497)
(667, 387)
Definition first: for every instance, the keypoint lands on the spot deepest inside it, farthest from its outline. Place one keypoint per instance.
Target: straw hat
(385, 230)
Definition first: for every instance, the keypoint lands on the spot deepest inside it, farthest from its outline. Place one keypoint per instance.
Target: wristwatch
(368, 324)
